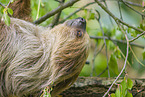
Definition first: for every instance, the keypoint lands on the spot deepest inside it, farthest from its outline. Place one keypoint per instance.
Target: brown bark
(96, 87)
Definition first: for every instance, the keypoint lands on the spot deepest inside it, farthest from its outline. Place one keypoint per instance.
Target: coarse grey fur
(33, 57)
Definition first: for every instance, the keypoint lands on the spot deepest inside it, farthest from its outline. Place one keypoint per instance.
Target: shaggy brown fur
(21, 9)
(34, 57)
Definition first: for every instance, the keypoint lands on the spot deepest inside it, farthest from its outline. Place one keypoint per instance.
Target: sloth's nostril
(82, 20)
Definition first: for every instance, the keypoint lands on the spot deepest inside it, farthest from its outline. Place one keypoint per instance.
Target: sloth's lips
(79, 23)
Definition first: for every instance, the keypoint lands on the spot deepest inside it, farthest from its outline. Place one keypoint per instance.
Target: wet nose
(77, 23)
(82, 20)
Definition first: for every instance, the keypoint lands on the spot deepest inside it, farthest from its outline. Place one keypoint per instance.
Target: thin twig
(9, 3)
(134, 4)
(115, 40)
(137, 37)
(93, 60)
(98, 19)
(57, 16)
(136, 57)
(102, 72)
(100, 49)
(38, 9)
(128, 2)
(96, 53)
(108, 15)
(141, 90)
(53, 12)
(123, 55)
(120, 41)
(132, 8)
(127, 51)
(76, 12)
(120, 10)
(115, 18)
(2, 5)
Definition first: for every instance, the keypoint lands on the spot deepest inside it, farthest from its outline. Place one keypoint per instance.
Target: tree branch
(115, 18)
(127, 52)
(76, 11)
(133, 4)
(2, 5)
(93, 60)
(96, 87)
(115, 40)
(102, 72)
(57, 16)
(133, 9)
(98, 19)
(53, 12)
(120, 10)
(136, 57)
(137, 37)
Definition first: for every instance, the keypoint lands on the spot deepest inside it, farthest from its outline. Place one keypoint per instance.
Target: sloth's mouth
(77, 23)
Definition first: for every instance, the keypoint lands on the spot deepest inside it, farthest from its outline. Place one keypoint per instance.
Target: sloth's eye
(79, 33)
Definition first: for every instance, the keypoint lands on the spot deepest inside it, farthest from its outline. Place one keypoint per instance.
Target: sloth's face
(79, 24)
(71, 29)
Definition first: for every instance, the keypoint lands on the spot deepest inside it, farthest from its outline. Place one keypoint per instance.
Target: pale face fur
(34, 57)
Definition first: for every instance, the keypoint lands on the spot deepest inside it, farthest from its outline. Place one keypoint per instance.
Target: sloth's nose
(82, 20)
(77, 23)
(81, 23)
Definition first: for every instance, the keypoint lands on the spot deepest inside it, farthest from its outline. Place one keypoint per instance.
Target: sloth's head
(73, 28)
(79, 24)
(70, 53)
(71, 43)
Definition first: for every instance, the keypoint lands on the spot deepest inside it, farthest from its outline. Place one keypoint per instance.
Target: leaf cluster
(123, 89)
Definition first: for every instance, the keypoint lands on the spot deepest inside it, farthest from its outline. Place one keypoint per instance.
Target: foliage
(113, 64)
(123, 89)
(113, 34)
(46, 92)
(5, 12)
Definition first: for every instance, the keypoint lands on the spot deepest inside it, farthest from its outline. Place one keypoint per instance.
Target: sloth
(34, 57)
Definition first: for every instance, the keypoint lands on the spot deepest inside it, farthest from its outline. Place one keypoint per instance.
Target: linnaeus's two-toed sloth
(33, 57)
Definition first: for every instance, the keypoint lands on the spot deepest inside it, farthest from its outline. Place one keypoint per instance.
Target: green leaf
(117, 53)
(92, 16)
(49, 95)
(143, 54)
(124, 87)
(142, 26)
(128, 94)
(10, 11)
(132, 32)
(112, 95)
(129, 84)
(46, 93)
(113, 64)
(6, 19)
(117, 93)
